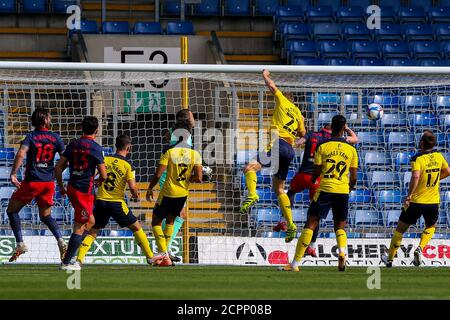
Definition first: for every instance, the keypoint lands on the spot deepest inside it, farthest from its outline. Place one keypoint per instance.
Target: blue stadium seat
(426, 49)
(308, 61)
(360, 198)
(171, 7)
(340, 62)
(360, 121)
(441, 102)
(327, 31)
(394, 121)
(361, 3)
(418, 32)
(439, 15)
(350, 14)
(207, 8)
(324, 100)
(302, 198)
(417, 101)
(406, 178)
(357, 31)
(422, 120)
(237, 8)
(7, 6)
(400, 140)
(60, 6)
(370, 141)
(395, 49)
(442, 31)
(180, 27)
(444, 119)
(267, 195)
(301, 3)
(388, 14)
(367, 218)
(299, 215)
(412, 14)
(384, 180)
(402, 160)
(6, 154)
(319, 14)
(433, 63)
(325, 118)
(392, 218)
(301, 48)
(361, 182)
(395, 4)
(6, 192)
(4, 175)
(89, 26)
(365, 49)
(446, 49)
(116, 27)
(289, 14)
(266, 7)
(147, 28)
(389, 198)
(386, 100)
(59, 214)
(351, 100)
(367, 62)
(389, 31)
(400, 62)
(443, 3)
(426, 4)
(34, 6)
(333, 49)
(268, 215)
(334, 4)
(377, 160)
(296, 31)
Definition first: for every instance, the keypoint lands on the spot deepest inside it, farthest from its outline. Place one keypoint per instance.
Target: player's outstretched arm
(133, 189)
(413, 183)
(101, 168)
(198, 174)
(445, 172)
(18, 159)
(155, 179)
(60, 166)
(269, 82)
(352, 138)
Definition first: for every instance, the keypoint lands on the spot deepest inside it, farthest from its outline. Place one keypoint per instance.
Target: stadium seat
(301, 48)
(327, 31)
(406, 178)
(426, 4)
(418, 32)
(302, 198)
(422, 120)
(444, 119)
(334, 4)
(402, 161)
(395, 4)
(441, 102)
(324, 100)
(357, 31)
(6, 192)
(426, 49)
(388, 14)
(367, 218)
(333, 49)
(59, 214)
(289, 14)
(171, 8)
(395, 49)
(207, 8)
(180, 28)
(384, 180)
(7, 6)
(439, 15)
(270, 216)
(365, 49)
(34, 6)
(325, 118)
(350, 14)
(308, 61)
(389, 198)
(360, 121)
(266, 7)
(267, 195)
(377, 160)
(296, 31)
(316, 14)
(89, 26)
(299, 215)
(442, 32)
(369, 62)
(340, 62)
(6, 155)
(392, 218)
(388, 101)
(147, 28)
(412, 14)
(433, 63)
(415, 102)
(361, 182)
(4, 175)
(360, 198)
(370, 141)
(446, 49)
(60, 6)
(401, 140)
(400, 62)
(351, 101)
(237, 7)
(116, 27)
(389, 32)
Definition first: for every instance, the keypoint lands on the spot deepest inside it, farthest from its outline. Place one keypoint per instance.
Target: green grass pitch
(216, 282)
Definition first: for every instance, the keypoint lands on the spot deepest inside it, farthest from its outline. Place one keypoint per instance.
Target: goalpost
(232, 108)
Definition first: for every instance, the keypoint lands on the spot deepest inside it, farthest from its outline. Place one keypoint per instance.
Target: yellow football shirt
(119, 172)
(180, 162)
(336, 156)
(429, 164)
(286, 118)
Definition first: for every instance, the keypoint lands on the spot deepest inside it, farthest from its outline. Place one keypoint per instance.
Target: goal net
(232, 108)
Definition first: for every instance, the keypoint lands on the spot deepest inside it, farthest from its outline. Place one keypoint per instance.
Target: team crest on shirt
(84, 214)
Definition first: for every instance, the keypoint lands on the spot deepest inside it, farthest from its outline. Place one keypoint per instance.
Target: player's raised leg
(250, 171)
(52, 225)
(12, 211)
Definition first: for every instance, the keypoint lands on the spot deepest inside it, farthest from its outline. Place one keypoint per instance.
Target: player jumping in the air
(428, 168)
(110, 201)
(303, 179)
(183, 165)
(40, 147)
(287, 123)
(83, 156)
(333, 161)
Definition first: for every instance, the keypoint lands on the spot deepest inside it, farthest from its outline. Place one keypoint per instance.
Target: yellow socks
(396, 241)
(84, 247)
(285, 206)
(168, 231)
(427, 234)
(160, 239)
(341, 239)
(302, 244)
(250, 181)
(142, 241)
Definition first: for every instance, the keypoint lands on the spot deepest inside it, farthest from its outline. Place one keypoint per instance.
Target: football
(375, 111)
